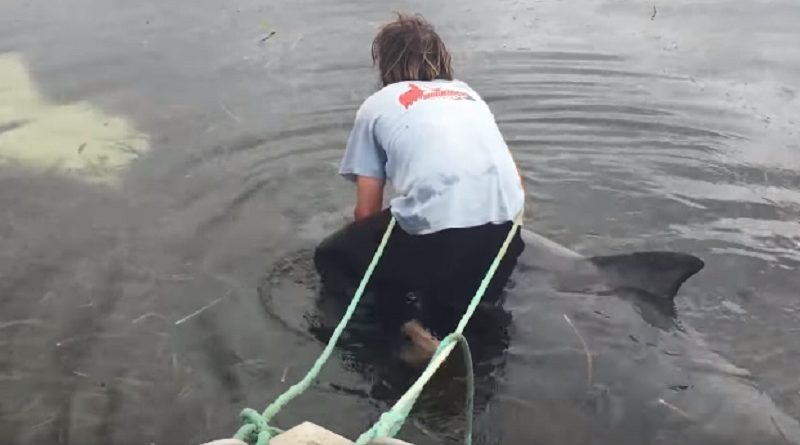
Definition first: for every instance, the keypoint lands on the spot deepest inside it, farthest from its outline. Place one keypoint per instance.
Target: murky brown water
(675, 127)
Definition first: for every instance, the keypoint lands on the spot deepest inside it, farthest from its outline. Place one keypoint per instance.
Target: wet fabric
(431, 278)
(439, 146)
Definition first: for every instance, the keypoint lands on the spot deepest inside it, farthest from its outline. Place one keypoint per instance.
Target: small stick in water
(655, 11)
(283, 377)
(229, 112)
(268, 36)
(175, 365)
(146, 316)
(585, 350)
(43, 423)
(199, 311)
(780, 431)
(674, 408)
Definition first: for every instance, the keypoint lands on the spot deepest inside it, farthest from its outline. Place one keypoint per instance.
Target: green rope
(391, 421)
(256, 428)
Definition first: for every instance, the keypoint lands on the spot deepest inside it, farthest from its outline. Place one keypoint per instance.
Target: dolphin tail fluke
(658, 274)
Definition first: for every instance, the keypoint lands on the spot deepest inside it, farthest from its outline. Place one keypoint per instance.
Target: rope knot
(256, 430)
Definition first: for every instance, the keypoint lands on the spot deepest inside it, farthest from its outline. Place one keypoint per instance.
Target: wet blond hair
(408, 48)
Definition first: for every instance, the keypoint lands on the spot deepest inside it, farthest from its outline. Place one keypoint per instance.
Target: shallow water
(675, 127)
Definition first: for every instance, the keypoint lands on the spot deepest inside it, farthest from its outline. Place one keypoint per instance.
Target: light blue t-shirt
(438, 145)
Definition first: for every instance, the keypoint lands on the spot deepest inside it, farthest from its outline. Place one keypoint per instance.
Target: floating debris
(201, 310)
(181, 277)
(585, 350)
(780, 431)
(268, 36)
(675, 409)
(67, 341)
(141, 318)
(23, 322)
(43, 423)
(229, 112)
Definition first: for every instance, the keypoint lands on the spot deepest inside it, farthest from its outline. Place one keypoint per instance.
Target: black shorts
(431, 278)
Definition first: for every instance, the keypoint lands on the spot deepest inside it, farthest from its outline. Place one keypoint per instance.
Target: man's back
(439, 146)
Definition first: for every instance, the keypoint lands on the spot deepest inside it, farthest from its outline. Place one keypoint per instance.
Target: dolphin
(592, 352)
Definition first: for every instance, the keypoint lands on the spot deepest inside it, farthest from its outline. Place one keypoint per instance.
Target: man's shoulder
(398, 97)
(386, 97)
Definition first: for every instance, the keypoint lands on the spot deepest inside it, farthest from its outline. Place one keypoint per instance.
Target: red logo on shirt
(416, 93)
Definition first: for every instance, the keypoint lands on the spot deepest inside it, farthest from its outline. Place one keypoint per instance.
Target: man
(436, 141)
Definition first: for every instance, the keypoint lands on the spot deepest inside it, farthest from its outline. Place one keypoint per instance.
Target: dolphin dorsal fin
(659, 274)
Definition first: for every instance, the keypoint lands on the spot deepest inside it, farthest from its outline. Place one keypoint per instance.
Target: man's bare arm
(369, 197)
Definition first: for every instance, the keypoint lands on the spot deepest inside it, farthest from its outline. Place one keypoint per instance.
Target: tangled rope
(257, 430)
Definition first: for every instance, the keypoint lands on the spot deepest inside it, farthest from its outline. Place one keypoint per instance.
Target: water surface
(210, 153)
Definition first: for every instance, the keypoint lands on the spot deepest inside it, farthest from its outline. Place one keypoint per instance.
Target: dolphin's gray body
(652, 379)
(653, 382)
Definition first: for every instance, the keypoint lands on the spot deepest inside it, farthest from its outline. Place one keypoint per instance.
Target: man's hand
(369, 197)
